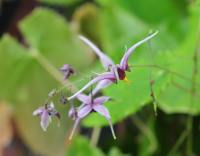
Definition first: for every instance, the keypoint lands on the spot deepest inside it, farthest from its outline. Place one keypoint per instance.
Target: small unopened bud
(63, 99)
(67, 71)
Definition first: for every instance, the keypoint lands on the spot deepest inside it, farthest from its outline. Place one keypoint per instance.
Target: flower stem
(51, 69)
(147, 132)
(95, 136)
(189, 150)
(178, 143)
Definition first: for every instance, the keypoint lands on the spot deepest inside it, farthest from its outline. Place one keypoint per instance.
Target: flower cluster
(90, 103)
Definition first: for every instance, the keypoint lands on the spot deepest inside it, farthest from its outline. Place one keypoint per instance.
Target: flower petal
(84, 98)
(101, 85)
(45, 120)
(105, 60)
(101, 100)
(72, 113)
(38, 111)
(107, 75)
(102, 110)
(84, 111)
(124, 60)
(111, 128)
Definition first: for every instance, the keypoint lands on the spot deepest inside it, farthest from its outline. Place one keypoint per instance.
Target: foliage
(29, 69)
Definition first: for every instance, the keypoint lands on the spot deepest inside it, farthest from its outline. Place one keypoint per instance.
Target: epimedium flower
(89, 105)
(114, 72)
(45, 113)
(67, 71)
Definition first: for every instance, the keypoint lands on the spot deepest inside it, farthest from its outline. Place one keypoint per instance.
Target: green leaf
(149, 10)
(80, 146)
(177, 97)
(14, 61)
(115, 34)
(87, 22)
(129, 98)
(53, 37)
(28, 75)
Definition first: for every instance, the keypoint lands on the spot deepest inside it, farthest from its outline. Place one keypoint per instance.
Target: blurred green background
(38, 37)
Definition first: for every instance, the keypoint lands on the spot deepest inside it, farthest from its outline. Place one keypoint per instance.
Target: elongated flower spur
(45, 113)
(115, 72)
(88, 105)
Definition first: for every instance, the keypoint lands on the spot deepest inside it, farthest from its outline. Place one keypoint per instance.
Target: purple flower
(115, 72)
(67, 71)
(107, 62)
(45, 113)
(88, 105)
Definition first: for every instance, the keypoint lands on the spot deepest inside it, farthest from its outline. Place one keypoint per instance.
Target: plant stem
(95, 136)
(151, 82)
(178, 143)
(189, 147)
(51, 69)
(166, 70)
(189, 143)
(146, 131)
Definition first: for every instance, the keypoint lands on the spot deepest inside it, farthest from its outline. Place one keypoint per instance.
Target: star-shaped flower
(45, 113)
(115, 72)
(88, 105)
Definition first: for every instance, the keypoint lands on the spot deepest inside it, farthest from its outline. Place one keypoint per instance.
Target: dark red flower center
(121, 73)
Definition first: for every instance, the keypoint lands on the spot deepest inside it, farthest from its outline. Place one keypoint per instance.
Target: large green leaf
(149, 10)
(129, 98)
(28, 74)
(178, 98)
(49, 33)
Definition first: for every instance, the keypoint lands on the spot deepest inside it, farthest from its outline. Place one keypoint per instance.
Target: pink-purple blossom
(115, 72)
(88, 105)
(45, 113)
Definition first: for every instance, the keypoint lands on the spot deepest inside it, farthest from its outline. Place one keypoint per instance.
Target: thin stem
(178, 143)
(57, 75)
(146, 131)
(155, 103)
(95, 136)
(189, 146)
(151, 82)
(46, 65)
(51, 69)
(189, 143)
(166, 70)
(179, 86)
